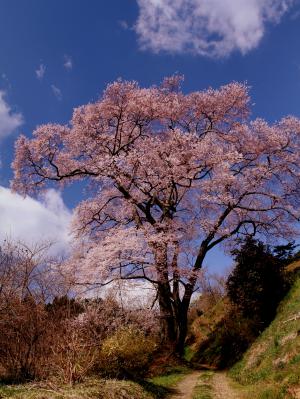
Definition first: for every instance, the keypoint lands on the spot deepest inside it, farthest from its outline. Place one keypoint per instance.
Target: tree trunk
(182, 319)
(173, 310)
(173, 318)
(181, 331)
(167, 319)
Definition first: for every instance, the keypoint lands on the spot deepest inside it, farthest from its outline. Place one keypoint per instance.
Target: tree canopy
(257, 283)
(170, 176)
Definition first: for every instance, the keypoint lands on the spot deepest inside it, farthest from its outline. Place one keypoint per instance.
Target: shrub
(24, 345)
(127, 352)
(73, 353)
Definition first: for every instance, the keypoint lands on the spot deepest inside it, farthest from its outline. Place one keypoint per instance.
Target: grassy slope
(201, 327)
(271, 367)
(204, 324)
(92, 389)
(95, 388)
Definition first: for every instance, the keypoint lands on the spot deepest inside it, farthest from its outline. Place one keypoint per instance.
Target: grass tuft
(203, 389)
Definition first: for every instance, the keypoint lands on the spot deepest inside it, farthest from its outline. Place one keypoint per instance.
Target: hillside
(272, 364)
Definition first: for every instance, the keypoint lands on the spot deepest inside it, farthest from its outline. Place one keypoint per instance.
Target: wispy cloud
(57, 92)
(68, 62)
(213, 28)
(6, 81)
(124, 24)
(295, 15)
(9, 120)
(40, 72)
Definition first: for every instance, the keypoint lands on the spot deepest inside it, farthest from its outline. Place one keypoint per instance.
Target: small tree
(171, 176)
(286, 253)
(28, 279)
(257, 283)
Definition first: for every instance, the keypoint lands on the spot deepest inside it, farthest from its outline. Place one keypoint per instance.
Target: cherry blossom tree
(170, 176)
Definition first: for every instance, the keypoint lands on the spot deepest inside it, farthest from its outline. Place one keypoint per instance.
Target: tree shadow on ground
(156, 390)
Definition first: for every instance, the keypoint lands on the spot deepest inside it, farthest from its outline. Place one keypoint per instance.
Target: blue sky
(56, 55)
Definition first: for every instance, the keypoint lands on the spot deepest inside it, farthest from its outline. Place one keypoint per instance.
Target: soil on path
(184, 389)
(221, 387)
(219, 383)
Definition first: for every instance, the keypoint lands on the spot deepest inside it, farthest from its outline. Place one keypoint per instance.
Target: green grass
(261, 391)
(171, 378)
(271, 367)
(203, 388)
(91, 389)
(188, 353)
(96, 388)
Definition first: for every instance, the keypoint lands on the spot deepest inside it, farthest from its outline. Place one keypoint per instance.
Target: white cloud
(57, 92)
(206, 27)
(68, 62)
(40, 72)
(9, 120)
(32, 221)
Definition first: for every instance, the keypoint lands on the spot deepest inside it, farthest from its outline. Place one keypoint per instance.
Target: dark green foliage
(64, 307)
(286, 253)
(257, 283)
(255, 287)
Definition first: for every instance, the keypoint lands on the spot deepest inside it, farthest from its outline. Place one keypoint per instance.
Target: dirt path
(219, 383)
(221, 387)
(185, 388)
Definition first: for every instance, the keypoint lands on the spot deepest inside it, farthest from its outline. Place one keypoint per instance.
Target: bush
(73, 354)
(63, 340)
(24, 343)
(127, 352)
